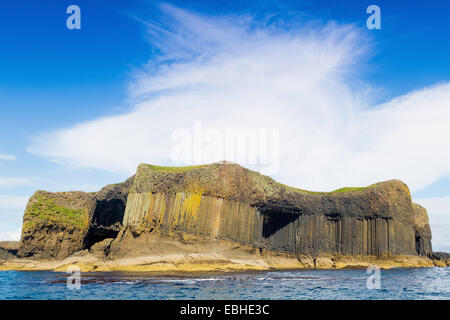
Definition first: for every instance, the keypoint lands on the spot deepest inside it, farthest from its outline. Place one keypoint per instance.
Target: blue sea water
(424, 283)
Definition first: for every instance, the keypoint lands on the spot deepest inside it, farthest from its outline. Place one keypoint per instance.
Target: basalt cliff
(223, 217)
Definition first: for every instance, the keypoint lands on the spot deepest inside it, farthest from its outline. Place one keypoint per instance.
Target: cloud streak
(14, 182)
(13, 202)
(7, 157)
(10, 236)
(234, 72)
(230, 72)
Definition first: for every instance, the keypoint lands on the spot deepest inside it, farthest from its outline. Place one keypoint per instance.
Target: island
(221, 217)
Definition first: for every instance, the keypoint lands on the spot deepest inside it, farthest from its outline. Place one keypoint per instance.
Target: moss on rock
(44, 207)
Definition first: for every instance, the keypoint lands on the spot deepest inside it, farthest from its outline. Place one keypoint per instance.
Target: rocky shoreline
(196, 255)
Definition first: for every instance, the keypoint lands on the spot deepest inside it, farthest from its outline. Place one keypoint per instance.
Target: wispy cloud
(234, 72)
(14, 182)
(13, 202)
(10, 236)
(229, 72)
(7, 157)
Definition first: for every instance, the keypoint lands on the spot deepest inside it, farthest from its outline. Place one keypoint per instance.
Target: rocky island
(221, 217)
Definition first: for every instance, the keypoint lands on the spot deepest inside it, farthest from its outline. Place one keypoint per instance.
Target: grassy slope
(188, 168)
(45, 208)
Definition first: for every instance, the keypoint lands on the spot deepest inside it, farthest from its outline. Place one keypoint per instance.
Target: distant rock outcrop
(8, 249)
(442, 257)
(224, 201)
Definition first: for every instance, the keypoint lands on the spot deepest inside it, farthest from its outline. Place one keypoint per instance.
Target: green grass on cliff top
(341, 190)
(173, 169)
(188, 168)
(46, 208)
(347, 189)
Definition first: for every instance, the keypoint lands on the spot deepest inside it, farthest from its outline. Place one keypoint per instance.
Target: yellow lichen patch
(172, 169)
(29, 225)
(190, 209)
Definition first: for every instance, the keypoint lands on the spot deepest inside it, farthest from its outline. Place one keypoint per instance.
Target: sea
(401, 283)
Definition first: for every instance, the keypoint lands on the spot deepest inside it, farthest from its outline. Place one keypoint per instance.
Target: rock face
(55, 225)
(224, 201)
(442, 257)
(422, 230)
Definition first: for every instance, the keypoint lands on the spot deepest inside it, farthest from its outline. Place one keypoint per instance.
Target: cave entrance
(419, 244)
(106, 221)
(274, 221)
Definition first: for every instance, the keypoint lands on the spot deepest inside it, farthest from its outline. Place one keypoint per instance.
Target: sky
(333, 103)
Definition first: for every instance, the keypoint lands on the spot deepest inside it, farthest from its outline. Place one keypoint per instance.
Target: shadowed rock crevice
(107, 214)
(106, 220)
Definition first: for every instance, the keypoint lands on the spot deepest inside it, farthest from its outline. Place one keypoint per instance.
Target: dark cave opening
(275, 221)
(106, 221)
(420, 244)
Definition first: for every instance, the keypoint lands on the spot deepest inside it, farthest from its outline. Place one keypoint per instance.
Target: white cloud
(7, 157)
(13, 182)
(10, 236)
(13, 202)
(237, 75)
(234, 72)
(439, 215)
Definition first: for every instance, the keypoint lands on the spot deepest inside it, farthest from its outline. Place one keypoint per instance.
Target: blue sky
(53, 79)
